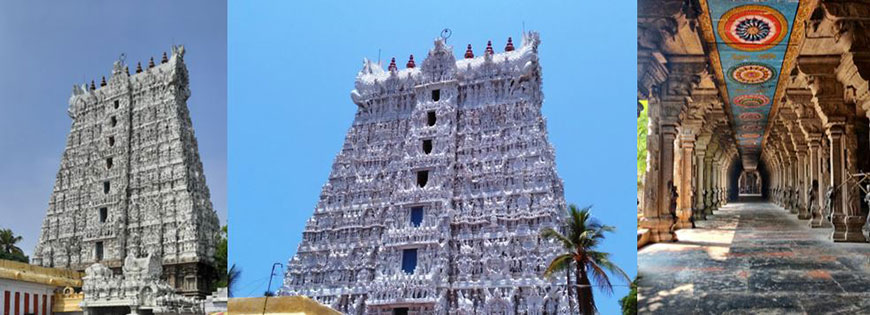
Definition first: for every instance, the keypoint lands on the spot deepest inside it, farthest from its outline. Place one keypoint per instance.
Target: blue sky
(48, 46)
(293, 64)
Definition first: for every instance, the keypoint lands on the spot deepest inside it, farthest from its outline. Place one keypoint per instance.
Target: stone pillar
(792, 183)
(723, 197)
(717, 180)
(669, 136)
(803, 212)
(708, 184)
(783, 171)
(847, 221)
(852, 195)
(817, 220)
(656, 197)
(684, 205)
(720, 179)
(723, 182)
(699, 212)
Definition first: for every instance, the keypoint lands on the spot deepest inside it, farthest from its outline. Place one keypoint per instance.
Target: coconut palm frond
(603, 259)
(581, 235)
(559, 263)
(549, 233)
(599, 276)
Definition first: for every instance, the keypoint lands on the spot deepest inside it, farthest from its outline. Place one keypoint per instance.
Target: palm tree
(232, 279)
(8, 241)
(584, 234)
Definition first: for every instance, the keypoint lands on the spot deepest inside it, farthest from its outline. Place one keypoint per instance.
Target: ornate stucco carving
(131, 181)
(491, 187)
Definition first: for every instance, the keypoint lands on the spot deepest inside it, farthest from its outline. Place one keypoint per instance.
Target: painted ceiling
(752, 38)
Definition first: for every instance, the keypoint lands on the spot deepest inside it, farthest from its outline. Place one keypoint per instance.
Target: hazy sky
(48, 46)
(293, 64)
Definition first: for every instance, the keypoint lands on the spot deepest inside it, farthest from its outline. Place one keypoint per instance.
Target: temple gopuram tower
(131, 181)
(437, 197)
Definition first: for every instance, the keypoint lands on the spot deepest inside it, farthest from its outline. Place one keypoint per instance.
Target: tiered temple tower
(437, 198)
(131, 181)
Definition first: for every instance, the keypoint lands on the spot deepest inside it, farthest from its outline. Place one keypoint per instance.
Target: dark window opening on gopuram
(409, 260)
(98, 251)
(427, 146)
(422, 178)
(416, 216)
(430, 118)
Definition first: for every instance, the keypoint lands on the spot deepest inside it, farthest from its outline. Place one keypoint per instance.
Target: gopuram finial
(392, 66)
(468, 53)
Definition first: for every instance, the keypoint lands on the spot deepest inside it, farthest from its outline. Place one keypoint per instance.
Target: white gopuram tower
(437, 198)
(131, 183)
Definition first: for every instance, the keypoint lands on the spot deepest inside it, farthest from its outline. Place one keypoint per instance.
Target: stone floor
(753, 257)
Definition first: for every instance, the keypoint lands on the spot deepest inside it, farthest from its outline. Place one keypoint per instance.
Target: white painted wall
(22, 287)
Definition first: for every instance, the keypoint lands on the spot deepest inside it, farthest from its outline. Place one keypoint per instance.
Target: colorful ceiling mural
(752, 38)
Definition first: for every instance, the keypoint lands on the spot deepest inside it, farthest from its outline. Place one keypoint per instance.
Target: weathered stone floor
(754, 257)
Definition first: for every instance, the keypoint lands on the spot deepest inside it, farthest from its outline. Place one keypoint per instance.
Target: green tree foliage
(579, 250)
(629, 302)
(220, 257)
(642, 122)
(8, 248)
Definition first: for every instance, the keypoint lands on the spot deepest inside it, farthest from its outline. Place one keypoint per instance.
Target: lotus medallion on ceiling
(751, 38)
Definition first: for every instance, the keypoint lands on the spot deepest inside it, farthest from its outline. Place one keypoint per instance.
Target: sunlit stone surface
(753, 258)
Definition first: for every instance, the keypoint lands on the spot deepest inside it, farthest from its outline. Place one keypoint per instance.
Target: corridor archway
(758, 149)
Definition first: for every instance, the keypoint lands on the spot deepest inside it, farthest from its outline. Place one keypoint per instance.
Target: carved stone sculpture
(139, 288)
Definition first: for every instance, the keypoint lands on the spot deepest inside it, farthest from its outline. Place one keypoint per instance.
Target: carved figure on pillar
(812, 195)
(673, 202)
(830, 195)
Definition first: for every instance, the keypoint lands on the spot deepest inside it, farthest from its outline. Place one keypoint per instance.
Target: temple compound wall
(436, 199)
(131, 181)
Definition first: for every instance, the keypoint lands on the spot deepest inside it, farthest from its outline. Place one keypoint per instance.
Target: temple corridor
(753, 257)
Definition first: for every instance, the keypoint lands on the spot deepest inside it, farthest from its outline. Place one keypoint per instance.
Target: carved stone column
(717, 181)
(803, 214)
(835, 113)
(708, 184)
(783, 174)
(658, 224)
(669, 135)
(659, 178)
(684, 206)
(723, 182)
(792, 182)
(847, 225)
(817, 220)
(698, 208)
